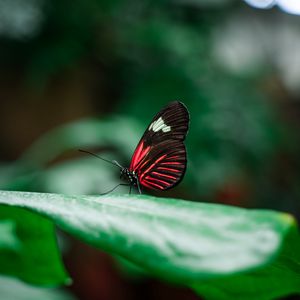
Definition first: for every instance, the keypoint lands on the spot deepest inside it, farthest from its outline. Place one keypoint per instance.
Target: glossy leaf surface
(211, 248)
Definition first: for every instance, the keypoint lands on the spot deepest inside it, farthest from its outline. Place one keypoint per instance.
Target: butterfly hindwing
(160, 157)
(165, 166)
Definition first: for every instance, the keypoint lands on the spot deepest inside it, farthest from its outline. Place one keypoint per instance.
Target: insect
(159, 160)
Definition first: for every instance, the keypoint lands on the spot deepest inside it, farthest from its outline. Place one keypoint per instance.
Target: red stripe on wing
(168, 169)
(139, 154)
(164, 175)
(151, 185)
(155, 163)
(156, 180)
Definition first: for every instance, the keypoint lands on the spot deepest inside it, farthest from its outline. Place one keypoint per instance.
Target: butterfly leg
(114, 188)
(139, 188)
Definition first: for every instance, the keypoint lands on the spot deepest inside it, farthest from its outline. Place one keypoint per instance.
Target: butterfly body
(129, 176)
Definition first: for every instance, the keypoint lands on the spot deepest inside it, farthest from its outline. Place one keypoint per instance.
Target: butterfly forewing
(160, 157)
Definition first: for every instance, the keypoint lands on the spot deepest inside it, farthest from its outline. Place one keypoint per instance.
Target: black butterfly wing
(160, 157)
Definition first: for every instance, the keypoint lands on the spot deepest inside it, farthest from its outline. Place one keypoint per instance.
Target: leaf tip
(288, 218)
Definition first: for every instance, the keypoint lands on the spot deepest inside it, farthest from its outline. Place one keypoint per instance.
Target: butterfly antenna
(114, 162)
(117, 164)
(120, 184)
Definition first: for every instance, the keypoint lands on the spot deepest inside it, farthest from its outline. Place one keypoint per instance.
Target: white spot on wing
(166, 129)
(158, 125)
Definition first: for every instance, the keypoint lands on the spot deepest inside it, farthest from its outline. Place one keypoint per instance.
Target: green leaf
(31, 255)
(211, 248)
(13, 289)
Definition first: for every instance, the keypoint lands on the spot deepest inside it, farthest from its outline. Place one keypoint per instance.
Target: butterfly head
(129, 176)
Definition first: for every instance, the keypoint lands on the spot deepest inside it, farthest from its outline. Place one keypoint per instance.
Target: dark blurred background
(91, 74)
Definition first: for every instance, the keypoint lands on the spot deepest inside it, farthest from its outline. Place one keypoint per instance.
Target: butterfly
(159, 160)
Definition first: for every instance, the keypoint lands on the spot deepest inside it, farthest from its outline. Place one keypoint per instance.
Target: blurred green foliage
(150, 53)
